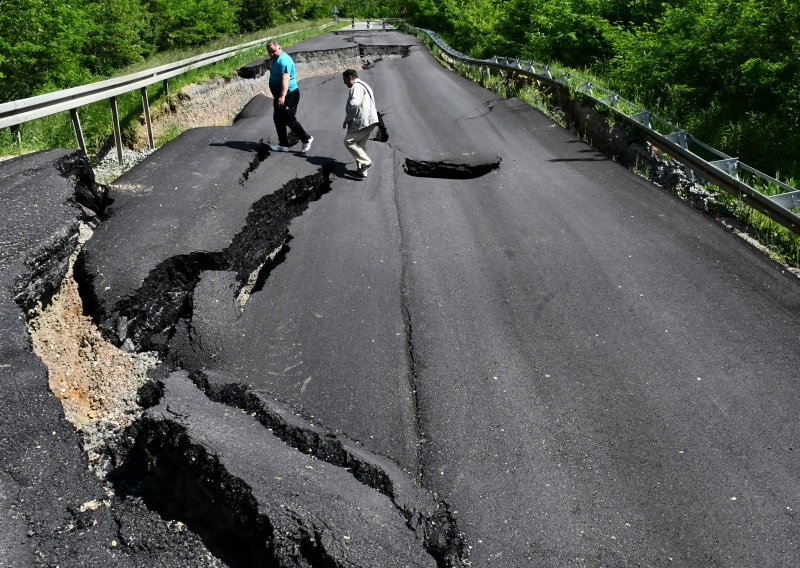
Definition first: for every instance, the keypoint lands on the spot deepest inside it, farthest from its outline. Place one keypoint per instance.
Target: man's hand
(281, 100)
(344, 125)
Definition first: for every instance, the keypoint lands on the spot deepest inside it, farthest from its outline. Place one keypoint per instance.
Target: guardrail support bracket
(729, 166)
(642, 118)
(790, 200)
(76, 126)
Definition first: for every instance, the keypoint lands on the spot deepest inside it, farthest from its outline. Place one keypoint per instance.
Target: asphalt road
(587, 371)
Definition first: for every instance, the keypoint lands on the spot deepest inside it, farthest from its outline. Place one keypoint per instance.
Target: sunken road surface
(501, 348)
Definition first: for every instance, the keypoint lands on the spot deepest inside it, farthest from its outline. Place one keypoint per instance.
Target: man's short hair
(348, 73)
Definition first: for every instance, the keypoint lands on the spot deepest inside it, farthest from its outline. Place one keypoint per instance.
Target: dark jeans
(284, 116)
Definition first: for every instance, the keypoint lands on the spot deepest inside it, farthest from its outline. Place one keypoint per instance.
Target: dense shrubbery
(47, 45)
(727, 70)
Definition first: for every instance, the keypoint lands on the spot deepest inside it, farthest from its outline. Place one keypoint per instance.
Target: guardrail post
(146, 107)
(15, 134)
(76, 126)
(166, 88)
(117, 131)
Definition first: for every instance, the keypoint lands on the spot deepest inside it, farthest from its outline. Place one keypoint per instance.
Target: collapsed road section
(204, 469)
(54, 510)
(179, 444)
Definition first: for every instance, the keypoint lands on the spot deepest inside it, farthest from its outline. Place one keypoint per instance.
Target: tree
(184, 23)
(256, 15)
(41, 43)
(116, 36)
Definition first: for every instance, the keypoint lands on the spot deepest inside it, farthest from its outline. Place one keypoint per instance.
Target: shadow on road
(245, 146)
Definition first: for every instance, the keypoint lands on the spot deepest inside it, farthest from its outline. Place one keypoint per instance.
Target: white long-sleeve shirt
(360, 109)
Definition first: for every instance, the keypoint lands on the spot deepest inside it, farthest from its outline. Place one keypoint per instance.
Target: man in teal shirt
(286, 95)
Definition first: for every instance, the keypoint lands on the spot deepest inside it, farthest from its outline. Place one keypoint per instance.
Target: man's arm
(284, 89)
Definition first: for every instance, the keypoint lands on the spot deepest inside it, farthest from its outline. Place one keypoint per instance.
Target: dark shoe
(363, 169)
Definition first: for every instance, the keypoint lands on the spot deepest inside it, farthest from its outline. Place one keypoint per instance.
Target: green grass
(56, 131)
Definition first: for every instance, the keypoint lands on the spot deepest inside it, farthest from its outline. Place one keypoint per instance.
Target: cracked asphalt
(554, 360)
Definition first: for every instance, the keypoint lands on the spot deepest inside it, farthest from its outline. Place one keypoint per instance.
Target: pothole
(96, 382)
(471, 167)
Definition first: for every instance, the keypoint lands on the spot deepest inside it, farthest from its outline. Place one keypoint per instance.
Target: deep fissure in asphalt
(147, 318)
(176, 476)
(431, 519)
(262, 151)
(182, 479)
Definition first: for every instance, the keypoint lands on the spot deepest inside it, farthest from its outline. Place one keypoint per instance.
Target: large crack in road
(176, 440)
(148, 316)
(178, 444)
(343, 371)
(168, 458)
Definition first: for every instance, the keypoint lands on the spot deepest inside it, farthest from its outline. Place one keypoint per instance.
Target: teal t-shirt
(282, 64)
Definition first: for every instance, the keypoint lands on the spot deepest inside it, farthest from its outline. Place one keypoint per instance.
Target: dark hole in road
(181, 480)
(450, 169)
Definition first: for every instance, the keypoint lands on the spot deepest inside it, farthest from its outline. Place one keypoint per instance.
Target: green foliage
(117, 35)
(181, 23)
(56, 131)
(257, 14)
(47, 45)
(363, 9)
(40, 45)
(569, 31)
(726, 70)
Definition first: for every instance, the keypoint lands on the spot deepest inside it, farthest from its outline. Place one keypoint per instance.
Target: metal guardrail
(17, 112)
(727, 172)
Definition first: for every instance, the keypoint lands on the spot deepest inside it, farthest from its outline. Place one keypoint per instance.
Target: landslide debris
(96, 382)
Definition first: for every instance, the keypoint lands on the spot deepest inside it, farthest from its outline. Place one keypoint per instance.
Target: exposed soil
(96, 382)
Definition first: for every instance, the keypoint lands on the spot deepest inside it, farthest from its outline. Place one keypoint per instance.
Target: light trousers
(356, 143)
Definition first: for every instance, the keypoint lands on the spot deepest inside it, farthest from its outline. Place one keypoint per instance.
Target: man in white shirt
(361, 118)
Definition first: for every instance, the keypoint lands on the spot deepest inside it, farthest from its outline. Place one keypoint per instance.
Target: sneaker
(363, 169)
(307, 145)
(278, 148)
